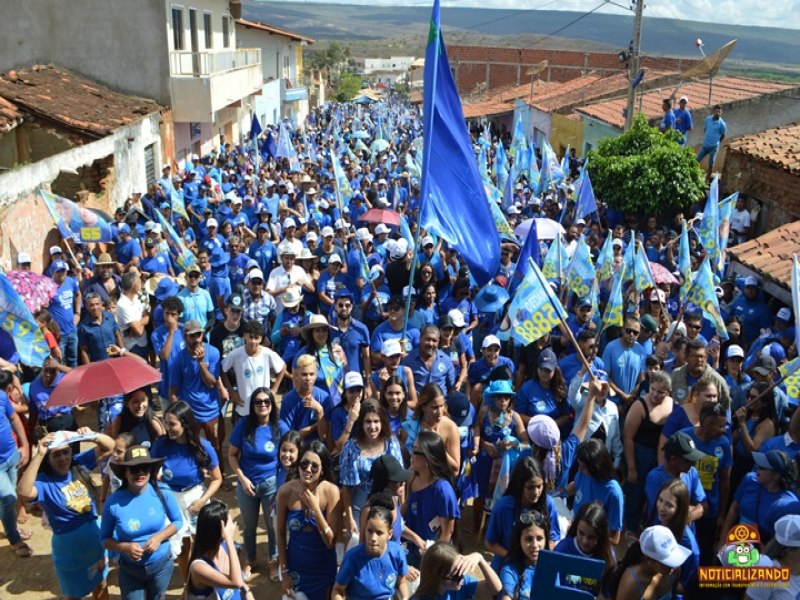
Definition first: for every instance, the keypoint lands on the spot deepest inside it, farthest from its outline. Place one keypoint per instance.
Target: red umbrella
(102, 379)
(661, 274)
(381, 215)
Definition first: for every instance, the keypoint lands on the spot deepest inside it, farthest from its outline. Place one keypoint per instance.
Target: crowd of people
(355, 390)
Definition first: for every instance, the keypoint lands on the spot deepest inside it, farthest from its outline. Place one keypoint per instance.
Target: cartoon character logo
(742, 540)
(134, 525)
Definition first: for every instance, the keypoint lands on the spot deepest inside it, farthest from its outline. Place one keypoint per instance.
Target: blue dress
(491, 432)
(312, 565)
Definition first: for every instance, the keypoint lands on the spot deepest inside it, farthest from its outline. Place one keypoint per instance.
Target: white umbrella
(546, 229)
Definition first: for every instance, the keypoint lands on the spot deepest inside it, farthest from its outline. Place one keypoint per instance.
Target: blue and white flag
(16, 319)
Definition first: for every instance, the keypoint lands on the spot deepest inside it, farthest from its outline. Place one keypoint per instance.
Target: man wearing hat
(683, 119)
(258, 305)
(128, 250)
(753, 311)
(197, 302)
(327, 249)
(24, 261)
(104, 282)
(351, 334)
(155, 261)
(288, 274)
(393, 328)
(65, 308)
(263, 250)
(680, 456)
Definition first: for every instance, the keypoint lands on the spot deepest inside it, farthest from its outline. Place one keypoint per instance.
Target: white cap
(327, 231)
(302, 221)
(289, 222)
(311, 237)
(490, 340)
(236, 200)
(580, 222)
(353, 379)
(457, 318)
(285, 248)
(254, 274)
(374, 272)
(400, 248)
(149, 226)
(324, 204)
(23, 258)
(735, 350)
(658, 542)
(289, 187)
(335, 258)
(617, 242)
(212, 222)
(56, 250)
(195, 157)
(787, 531)
(684, 99)
(658, 296)
(427, 241)
(381, 228)
(513, 210)
(784, 314)
(391, 347)
(363, 234)
(382, 182)
(518, 186)
(166, 166)
(157, 228)
(339, 224)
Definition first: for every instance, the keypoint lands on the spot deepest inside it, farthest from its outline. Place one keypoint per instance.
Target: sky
(772, 13)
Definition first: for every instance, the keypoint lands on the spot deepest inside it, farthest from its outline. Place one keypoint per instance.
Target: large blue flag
(790, 372)
(581, 271)
(684, 262)
(587, 204)
(16, 319)
(613, 315)
(703, 295)
(500, 166)
(518, 143)
(643, 276)
(74, 221)
(555, 261)
(453, 201)
(709, 224)
(255, 128)
(528, 252)
(725, 212)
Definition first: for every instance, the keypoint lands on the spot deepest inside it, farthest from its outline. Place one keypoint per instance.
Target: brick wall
(775, 187)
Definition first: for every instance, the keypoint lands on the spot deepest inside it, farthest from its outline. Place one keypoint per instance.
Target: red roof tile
(725, 90)
(779, 146)
(10, 116)
(73, 101)
(770, 255)
(502, 100)
(274, 30)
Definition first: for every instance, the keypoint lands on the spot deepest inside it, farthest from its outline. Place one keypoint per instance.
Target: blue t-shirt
(39, 395)
(714, 130)
(533, 399)
(624, 365)
(159, 263)
(480, 370)
(501, 523)
(181, 470)
(607, 493)
(352, 341)
(758, 506)
(516, 586)
(683, 120)
(62, 306)
(436, 500)
(372, 577)
(667, 121)
(196, 306)
(7, 444)
(258, 457)
(719, 457)
(184, 374)
(658, 476)
(384, 331)
(159, 339)
(135, 518)
(295, 417)
(66, 501)
(127, 251)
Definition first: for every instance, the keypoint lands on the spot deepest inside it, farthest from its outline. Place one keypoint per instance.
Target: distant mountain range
(757, 46)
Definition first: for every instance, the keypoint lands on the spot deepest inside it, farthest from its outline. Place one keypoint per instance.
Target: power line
(570, 24)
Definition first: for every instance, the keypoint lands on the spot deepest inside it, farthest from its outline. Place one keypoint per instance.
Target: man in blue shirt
(65, 308)
(715, 130)
(393, 328)
(624, 359)
(429, 364)
(129, 251)
(753, 311)
(668, 118)
(352, 335)
(683, 119)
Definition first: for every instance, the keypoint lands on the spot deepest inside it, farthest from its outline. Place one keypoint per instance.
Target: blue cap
(500, 387)
(585, 302)
(59, 265)
(165, 205)
(264, 226)
(547, 360)
(124, 228)
(166, 287)
(343, 292)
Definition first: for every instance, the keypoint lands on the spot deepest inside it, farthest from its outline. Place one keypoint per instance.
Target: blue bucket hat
(499, 387)
(491, 299)
(166, 287)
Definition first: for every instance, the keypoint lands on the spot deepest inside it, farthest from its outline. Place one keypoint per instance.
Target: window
(177, 28)
(207, 30)
(226, 35)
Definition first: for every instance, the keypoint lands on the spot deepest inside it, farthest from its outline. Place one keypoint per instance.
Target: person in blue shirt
(253, 456)
(445, 575)
(375, 569)
(303, 408)
(128, 251)
(263, 251)
(528, 538)
(571, 364)
(428, 364)
(237, 264)
(715, 474)
(789, 442)
(52, 418)
(11, 459)
(481, 370)
(715, 130)
(188, 459)
(683, 119)
(351, 334)
(668, 118)
(197, 303)
(624, 359)
(154, 260)
(672, 511)
(65, 308)
(393, 328)
(753, 311)
(546, 393)
(138, 521)
(60, 483)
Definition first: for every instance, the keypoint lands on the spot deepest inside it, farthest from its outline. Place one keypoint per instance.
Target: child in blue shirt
(528, 538)
(445, 575)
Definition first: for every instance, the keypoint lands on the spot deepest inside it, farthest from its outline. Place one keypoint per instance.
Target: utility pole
(633, 67)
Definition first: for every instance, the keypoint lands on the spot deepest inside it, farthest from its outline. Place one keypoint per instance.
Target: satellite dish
(538, 68)
(710, 64)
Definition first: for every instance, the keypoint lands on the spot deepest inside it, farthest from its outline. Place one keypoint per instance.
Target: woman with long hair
(288, 451)
(431, 509)
(672, 511)
(595, 480)
(214, 569)
(373, 438)
(545, 393)
(138, 521)
(525, 491)
(139, 418)
(339, 425)
(253, 456)
(188, 460)
(309, 509)
(445, 575)
(394, 400)
(588, 536)
(426, 300)
(752, 424)
(687, 414)
(430, 414)
(60, 483)
(528, 538)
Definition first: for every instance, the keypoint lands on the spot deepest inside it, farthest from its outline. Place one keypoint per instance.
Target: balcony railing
(292, 91)
(208, 64)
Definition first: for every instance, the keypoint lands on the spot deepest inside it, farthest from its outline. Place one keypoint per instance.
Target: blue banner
(74, 221)
(16, 319)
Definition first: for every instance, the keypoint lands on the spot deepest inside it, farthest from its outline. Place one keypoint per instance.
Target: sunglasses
(307, 464)
(261, 401)
(195, 335)
(192, 275)
(688, 326)
(632, 331)
(532, 517)
(139, 469)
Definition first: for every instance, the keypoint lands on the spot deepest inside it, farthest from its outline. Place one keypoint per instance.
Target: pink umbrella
(661, 274)
(35, 290)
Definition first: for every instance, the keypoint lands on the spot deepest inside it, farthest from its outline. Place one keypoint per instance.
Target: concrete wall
(593, 132)
(120, 43)
(566, 132)
(216, 8)
(268, 103)
(540, 125)
(274, 50)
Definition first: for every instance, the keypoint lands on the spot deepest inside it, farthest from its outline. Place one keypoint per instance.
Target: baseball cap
(427, 241)
(658, 296)
(23, 258)
(363, 234)
(774, 460)
(683, 99)
(489, 340)
(388, 468)
(750, 281)
(381, 228)
(784, 314)
(327, 231)
(335, 258)
(58, 250)
(787, 531)
(124, 228)
(212, 222)
(391, 347)
(311, 237)
(235, 301)
(193, 268)
(236, 200)
(399, 249)
(735, 351)
(458, 408)
(254, 274)
(59, 265)
(618, 242)
(457, 319)
(658, 542)
(584, 302)
(649, 323)
(353, 379)
(149, 226)
(150, 243)
(680, 444)
(765, 365)
(580, 222)
(547, 360)
(375, 272)
(289, 222)
(343, 292)
(192, 327)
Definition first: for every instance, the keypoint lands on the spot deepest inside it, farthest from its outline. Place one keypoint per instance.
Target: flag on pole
(613, 316)
(19, 323)
(643, 275)
(535, 310)
(255, 128)
(709, 224)
(285, 148)
(586, 204)
(449, 171)
(581, 270)
(528, 252)
(500, 166)
(725, 212)
(684, 263)
(790, 372)
(703, 294)
(342, 183)
(184, 257)
(555, 261)
(605, 260)
(74, 221)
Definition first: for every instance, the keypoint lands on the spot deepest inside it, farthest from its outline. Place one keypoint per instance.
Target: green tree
(349, 85)
(645, 172)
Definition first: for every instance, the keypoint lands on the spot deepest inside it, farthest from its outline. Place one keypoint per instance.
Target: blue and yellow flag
(16, 319)
(684, 263)
(555, 261)
(709, 224)
(500, 221)
(500, 166)
(535, 311)
(74, 221)
(725, 212)
(643, 278)
(179, 207)
(285, 148)
(605, 260)
(614, 314)
(184, 257)
(343, 186)
(581, 270)
(790, 372)
(518, 142)
(703, 295)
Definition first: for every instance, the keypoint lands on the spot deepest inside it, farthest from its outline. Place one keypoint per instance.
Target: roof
(770, 255)
(297, 37)
(725, 90)
(502, 100)
(10, 116)
(779, 147)
(71, 100)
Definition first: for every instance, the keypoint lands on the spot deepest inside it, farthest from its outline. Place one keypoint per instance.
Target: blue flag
(643, 276)
(183, 256)
(796, 299)
(500, 166)
(586, 204)
(74, 221)
(709, 224)
(286, 149)
(19, 323)
(725, 212)
(270, 147)
(703, 294)
(684, 262)
(614, 307)
(555, 261)
(518, 143)
(581, 271)
(790, 372)
(255, 128)
(528, 252)
(453, 201)
(605, 260)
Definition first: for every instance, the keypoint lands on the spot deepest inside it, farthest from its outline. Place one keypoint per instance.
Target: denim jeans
(249, 505)
(646, 460)
(145, 582)
(69, 348)
(8, 497)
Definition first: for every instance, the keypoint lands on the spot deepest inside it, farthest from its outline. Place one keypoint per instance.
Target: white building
(398, 64)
